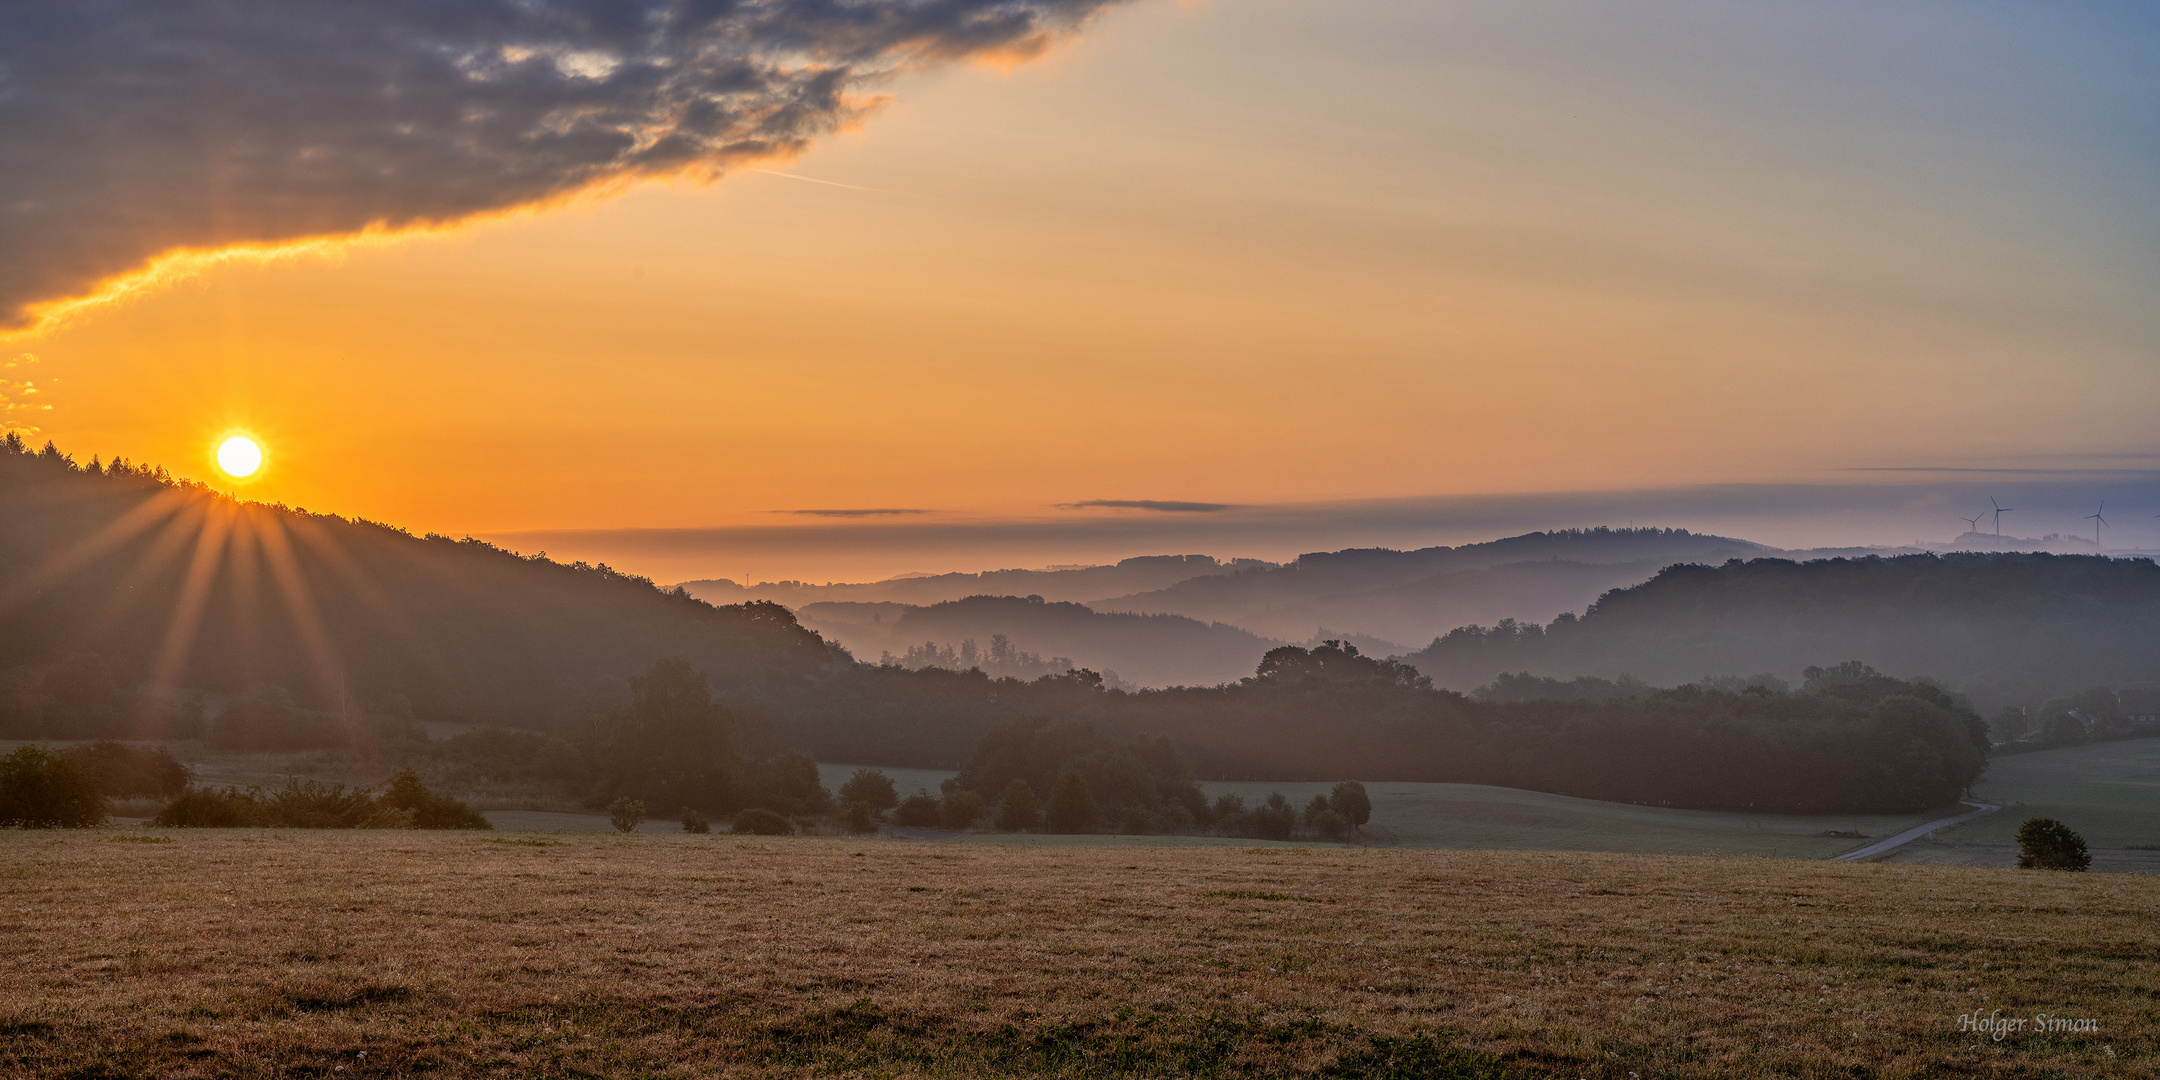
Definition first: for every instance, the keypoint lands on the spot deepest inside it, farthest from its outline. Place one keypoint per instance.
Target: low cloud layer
(1158, 505)
(132, 129)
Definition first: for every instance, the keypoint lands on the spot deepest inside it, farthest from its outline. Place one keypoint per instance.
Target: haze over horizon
(1056, 281)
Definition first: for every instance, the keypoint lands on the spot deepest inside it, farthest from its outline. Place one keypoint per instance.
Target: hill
(1137, 574)
(1411, 596)
(988, 631)
(2002, 628)
(127, 597)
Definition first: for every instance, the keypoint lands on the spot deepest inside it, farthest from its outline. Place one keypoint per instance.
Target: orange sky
(1231, 252)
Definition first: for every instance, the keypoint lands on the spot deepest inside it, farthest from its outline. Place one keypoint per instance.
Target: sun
(239, 456)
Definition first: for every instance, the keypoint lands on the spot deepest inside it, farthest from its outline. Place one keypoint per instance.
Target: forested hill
(117, 579)
(1082, 583)
(1410, 596)
(1141, 650)
(2002, 628)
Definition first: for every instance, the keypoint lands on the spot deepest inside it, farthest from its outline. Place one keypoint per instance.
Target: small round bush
(694, 822)
(857, 818)
(43, 790)
(626, 814)
(2048, 844)
(763, 823)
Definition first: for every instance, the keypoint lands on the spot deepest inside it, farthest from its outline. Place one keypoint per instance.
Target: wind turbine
(1973, 521)
(2000, 510)
(2097, 521)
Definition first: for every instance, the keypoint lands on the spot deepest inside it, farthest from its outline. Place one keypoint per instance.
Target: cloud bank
(135, 129)
(1158, 505)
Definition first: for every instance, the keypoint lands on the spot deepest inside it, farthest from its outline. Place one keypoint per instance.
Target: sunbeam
(126, 527)
(300, 605)
(194, 596)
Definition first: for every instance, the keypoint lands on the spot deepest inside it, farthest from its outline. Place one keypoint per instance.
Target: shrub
(694, 822)
(208, 808)
(130, 771)
(2048, 844)
(1273, 819)
(43, 790)
(314, 805)
(1016, 809)
(1321, 818)
(918, 811)
(871, 788)
(1349, 800)
(857, 818)
(429, 810)
(626, 814)
(1072, 805)
(762, 823)
(961, 809)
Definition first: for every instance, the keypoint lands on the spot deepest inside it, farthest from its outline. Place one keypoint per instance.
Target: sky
(818, 291)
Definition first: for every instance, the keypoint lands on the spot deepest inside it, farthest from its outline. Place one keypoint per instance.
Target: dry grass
(350, 954)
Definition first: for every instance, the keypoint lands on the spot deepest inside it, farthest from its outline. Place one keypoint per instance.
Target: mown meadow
(370, 953)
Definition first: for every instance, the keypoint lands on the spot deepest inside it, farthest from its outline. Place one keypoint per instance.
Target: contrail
(815, 180)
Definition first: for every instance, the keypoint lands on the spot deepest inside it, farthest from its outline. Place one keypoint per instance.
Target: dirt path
(1908, 836)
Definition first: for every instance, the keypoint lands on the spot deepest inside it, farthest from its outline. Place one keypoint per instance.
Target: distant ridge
(2004, 628)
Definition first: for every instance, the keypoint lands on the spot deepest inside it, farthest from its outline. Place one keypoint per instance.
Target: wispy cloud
(1158, 505)
(854, 513)
(132, 130)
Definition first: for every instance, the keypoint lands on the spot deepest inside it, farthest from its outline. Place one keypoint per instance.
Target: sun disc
(239, 456)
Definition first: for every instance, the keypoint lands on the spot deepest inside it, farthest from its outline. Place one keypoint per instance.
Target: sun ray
(322, 543)
(300, 605)
(163, 548)
(120, 530)
(243, 594)
(194, 596)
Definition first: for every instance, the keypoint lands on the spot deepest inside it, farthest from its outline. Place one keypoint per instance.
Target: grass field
(1509, 819)
(2108, 792)
(265, 953)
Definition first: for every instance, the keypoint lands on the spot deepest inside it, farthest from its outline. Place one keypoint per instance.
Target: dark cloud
(873, 512)
(130, 129)
(1151, 504)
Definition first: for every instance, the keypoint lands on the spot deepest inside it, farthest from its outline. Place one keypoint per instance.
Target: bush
(1016, 810)
(129, 771)
(1273, 819)
(43, 790)
(871, 788)
(207, 808)
(1321, 818)
(762, 823)
(315, 805)
(1349, 800)
(694, 822)
(1072, 805)
(857, 818)
(2048, 844)
(429, 810)
(961, 809)
(626, 814)
(918, 811)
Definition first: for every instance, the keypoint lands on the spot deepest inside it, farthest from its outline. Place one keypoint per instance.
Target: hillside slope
(1412, 596)
(1144, 650)
(1137, 574)
(2016, 628)
(175, 588)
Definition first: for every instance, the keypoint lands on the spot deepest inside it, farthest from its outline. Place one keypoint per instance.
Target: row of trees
(72, 788)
